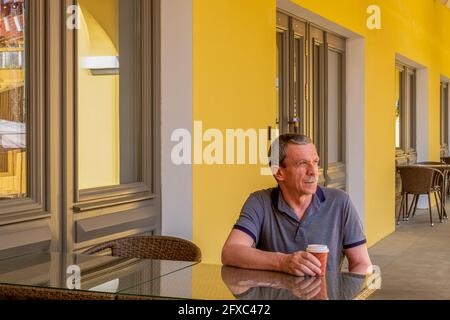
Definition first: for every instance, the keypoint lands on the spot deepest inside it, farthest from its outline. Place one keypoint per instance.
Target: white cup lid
(318, 248)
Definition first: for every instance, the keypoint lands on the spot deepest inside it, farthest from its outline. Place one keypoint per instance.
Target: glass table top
(215, 282)
(83, 272)
(172, 279)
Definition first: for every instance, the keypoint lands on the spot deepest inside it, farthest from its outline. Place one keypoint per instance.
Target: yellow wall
(105, 15)
(234, 86)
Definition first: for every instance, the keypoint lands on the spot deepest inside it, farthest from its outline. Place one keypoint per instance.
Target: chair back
(151, 247)
(417, 180)
(446, 160)
(442, 167)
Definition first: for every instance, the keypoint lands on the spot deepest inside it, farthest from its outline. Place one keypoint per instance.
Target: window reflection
(13, 127)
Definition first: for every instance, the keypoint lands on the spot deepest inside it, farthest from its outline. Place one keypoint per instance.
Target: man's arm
(359, 260)
(238, 251)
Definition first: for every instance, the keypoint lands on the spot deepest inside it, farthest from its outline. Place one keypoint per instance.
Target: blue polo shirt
(331, 219)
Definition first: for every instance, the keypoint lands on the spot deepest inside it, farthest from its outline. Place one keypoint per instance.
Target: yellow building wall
(105, 12)
(234, 87)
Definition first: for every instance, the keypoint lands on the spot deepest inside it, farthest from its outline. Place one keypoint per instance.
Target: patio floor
(414, 261)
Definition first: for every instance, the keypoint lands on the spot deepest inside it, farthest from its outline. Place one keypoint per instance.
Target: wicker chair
(150, 247)
(419, 180)
(446, 160)
(441, 182)
(16, 292)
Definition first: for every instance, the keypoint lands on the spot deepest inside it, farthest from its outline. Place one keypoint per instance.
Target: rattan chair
(441, 182)
(16, 292)
(446, 160)
(419, 180)
(150, 247)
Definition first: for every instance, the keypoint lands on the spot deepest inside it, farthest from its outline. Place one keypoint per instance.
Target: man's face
(299, 172)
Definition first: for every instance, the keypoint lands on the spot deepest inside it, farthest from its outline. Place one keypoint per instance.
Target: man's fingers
(298, 273)
(313, 293)
(307, 271)
(316, 283)
(308, 256)
(311, 266)
(305, 283)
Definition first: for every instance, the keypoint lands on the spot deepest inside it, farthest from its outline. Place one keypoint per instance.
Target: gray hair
(277, 152)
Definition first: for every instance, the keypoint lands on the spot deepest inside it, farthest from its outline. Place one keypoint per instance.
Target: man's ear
(277, 173)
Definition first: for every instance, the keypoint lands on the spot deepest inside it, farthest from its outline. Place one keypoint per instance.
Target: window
(108, 111)
(13, 111)
(405, 120)
(113, 147)
(444, 117)
(79, 135)
(311, 91)
(405, 109)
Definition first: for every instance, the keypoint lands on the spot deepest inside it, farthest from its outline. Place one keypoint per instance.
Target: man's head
(295, 164)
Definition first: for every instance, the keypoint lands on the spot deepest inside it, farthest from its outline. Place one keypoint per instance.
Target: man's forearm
(250, 258)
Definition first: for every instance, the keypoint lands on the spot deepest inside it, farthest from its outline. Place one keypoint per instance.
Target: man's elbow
(225, 255)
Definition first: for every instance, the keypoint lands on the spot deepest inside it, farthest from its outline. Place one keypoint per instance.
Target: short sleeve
(251, 218)
(353, 229)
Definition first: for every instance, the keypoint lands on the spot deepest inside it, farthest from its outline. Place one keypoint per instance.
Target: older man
(276, 226)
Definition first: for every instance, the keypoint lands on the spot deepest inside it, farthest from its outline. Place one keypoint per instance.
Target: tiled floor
(415, 260)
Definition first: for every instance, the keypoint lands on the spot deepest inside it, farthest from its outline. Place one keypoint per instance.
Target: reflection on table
(214, 282)
(97, 273)
(124, 278)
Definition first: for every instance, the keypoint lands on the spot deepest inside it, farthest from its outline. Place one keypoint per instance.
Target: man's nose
(312, 169)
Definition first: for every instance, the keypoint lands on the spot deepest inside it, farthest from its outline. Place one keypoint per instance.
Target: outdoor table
(157, 279)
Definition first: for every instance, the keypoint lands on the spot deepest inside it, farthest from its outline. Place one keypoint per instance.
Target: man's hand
(301, 264)
(310, 288)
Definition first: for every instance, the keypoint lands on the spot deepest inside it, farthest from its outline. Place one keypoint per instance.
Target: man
(277, 225)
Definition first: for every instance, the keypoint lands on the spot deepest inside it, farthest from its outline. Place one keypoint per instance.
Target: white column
(176, 112)
(355, 114)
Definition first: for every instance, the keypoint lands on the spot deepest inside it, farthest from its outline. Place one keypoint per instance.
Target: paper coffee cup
(320, 251)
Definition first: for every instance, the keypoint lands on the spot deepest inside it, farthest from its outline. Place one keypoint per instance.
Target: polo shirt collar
(320, 194)
(279, 202)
